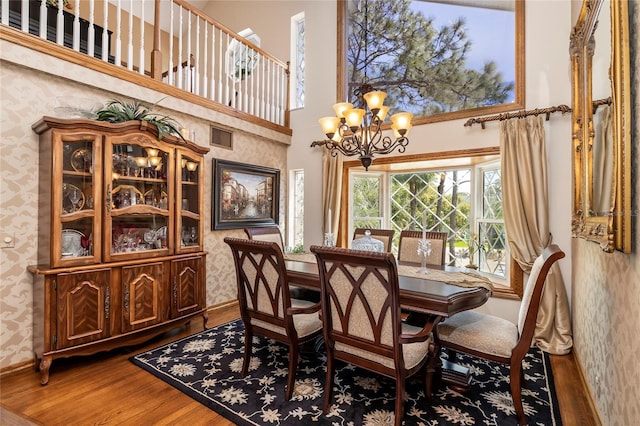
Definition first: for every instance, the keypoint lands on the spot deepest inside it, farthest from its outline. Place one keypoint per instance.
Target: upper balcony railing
(165, 40)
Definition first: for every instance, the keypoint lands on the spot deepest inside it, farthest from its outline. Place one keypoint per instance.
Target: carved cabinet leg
(205, 318)
(45, 363)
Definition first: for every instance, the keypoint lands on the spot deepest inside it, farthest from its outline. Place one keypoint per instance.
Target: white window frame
(477, 203)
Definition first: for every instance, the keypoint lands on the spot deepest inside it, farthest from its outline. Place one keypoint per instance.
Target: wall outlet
(7, 240)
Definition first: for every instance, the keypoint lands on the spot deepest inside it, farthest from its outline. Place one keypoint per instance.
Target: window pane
(493, 243)
(444, 195)
(367, 210)
(434, 57)
(296, 237)
(491, 195)
(297, 60)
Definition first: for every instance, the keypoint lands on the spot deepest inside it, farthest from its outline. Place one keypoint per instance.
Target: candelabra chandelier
(356, 131)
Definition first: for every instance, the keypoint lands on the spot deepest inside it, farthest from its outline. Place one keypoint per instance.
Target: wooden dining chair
(265, 233)
(408, 247)
(272, 234)
(384, 235)
(266, 307)
(498, 339)
(361, 320)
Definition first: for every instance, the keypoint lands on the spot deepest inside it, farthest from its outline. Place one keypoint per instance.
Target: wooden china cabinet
(121, 222)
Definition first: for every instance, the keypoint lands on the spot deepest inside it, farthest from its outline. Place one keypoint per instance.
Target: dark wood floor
(107, 389)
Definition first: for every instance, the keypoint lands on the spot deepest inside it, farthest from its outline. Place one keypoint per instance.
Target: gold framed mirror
(601, 124)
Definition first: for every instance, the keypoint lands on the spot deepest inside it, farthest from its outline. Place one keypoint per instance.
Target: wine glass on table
(424, 250)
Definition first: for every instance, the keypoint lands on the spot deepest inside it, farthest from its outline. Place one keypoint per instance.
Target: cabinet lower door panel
(83, 307)
(144, 295)
(186, 295)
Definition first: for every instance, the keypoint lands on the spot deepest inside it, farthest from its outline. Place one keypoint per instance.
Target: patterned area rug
(206, 366)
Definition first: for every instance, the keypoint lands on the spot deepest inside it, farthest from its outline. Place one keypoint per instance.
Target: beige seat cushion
(480, 332)
(305, 324)
(412, 353)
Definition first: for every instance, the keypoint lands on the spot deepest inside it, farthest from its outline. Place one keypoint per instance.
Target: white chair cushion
(480, 332)
(305, 324)
(412, 353)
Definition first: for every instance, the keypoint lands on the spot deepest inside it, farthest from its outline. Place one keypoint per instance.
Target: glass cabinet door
(188, 204)
(139, 197)
(75, 238)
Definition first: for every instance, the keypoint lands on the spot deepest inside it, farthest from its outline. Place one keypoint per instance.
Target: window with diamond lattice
(298, 60)
(446, 198)
(466, 203)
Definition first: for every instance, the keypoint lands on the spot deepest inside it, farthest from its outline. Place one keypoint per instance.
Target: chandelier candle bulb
(341, 107)
(382, 114)
(402, 120)
(329, 125)
(353, 118)
(375, 99)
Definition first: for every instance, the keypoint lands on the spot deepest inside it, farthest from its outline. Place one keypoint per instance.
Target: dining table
(440, 293)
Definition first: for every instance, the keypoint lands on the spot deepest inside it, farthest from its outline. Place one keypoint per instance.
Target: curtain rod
(520, 114)
(548, 111)
(600, 102)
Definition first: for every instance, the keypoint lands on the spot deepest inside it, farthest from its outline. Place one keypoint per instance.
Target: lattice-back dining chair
(266, 307)
(408, 247)
(498, 339)
(265, 233)
(361, 320)
(384, 235)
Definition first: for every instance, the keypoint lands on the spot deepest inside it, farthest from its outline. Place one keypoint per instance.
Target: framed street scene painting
(244, 195)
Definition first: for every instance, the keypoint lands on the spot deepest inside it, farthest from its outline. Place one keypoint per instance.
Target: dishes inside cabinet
(72, 243)
(81, 160)
(151, 198)
(127, 195)
(73, 198)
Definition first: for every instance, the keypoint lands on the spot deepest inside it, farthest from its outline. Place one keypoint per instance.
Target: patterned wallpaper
(26, 95)
(606, 299)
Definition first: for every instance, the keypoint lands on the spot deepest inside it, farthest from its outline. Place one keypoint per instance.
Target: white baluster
(105, 33)
(179, 82)
(59, 24)
(76, 27)
(44, 16)
(130, 38)
(118, 61)
(91, 36)
(170, 78)
(141, 65)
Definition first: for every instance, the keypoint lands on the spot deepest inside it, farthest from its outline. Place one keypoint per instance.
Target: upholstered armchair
(408, 247)
(498, 339)
(361, 320)
(265, 233)
(384, 235)
(266, 307)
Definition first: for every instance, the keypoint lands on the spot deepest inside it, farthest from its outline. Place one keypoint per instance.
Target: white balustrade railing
(167, 40)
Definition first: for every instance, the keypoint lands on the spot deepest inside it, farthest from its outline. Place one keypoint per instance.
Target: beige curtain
(603, 157)
(526, 217)
(331, 190)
